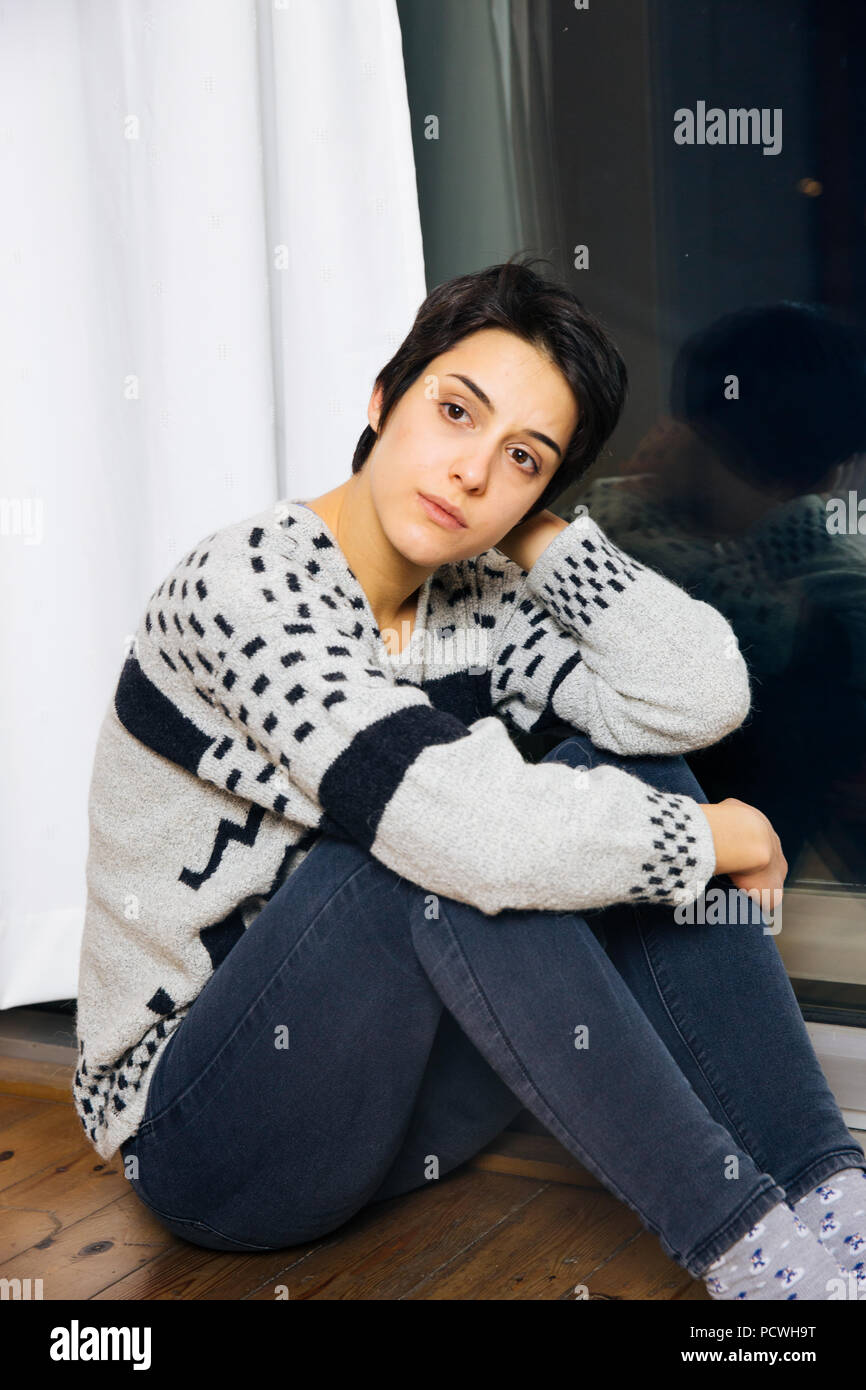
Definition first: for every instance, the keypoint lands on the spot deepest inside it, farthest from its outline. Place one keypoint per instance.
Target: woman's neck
(390, 581)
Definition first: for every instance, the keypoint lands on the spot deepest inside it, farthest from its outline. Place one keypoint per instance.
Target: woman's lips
(439, 514)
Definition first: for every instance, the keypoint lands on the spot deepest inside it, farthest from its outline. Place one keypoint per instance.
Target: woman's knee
(668, 772)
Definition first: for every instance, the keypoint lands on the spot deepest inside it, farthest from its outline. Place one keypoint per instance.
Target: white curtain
(210, 243)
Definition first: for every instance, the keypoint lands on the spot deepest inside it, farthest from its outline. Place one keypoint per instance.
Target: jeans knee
(577, 750)
(668, 772)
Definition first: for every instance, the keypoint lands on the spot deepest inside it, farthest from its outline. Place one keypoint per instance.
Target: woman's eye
(530, 466)
(534, 468)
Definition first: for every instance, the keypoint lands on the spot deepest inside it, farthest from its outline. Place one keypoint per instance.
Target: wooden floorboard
(522, 1220)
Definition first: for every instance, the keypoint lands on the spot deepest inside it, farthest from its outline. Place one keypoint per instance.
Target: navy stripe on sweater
(360, 782)
(155, 720)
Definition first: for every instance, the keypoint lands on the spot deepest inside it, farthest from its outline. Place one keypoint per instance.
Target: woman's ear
(374, 408)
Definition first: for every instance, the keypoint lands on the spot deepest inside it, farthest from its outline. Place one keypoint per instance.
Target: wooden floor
(522, 1220)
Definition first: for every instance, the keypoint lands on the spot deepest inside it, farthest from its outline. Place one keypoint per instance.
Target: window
(697, 173)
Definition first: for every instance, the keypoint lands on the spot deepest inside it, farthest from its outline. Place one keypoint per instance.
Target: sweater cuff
(681, 851)
(581, 572)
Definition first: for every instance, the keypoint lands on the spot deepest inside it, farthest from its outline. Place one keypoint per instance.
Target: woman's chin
(425, 544)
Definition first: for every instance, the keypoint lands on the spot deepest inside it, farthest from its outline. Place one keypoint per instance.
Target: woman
(361, 921)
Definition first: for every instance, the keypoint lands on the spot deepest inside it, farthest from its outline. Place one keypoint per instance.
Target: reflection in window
(730, 495)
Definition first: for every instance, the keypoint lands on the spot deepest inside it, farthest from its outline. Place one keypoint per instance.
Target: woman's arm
(592, 638)
(747, 847)
(526, 542)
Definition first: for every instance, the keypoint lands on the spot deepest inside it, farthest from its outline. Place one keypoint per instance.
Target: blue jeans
(365, 1037)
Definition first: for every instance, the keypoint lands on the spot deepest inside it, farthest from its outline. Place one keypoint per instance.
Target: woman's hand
(524, 543)
(748, 849)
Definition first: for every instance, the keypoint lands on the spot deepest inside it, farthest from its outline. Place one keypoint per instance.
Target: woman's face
(490, 458)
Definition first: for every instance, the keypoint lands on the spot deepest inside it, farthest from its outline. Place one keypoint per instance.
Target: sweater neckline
(405, 658)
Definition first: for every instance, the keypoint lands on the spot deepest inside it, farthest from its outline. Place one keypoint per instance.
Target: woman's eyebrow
(486, 401)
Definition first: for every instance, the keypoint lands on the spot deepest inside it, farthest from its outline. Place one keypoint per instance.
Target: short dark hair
(545, 314)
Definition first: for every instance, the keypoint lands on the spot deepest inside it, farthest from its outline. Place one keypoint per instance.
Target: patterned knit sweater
(259, 708)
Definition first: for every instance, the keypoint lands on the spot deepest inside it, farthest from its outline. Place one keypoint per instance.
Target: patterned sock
(778, 1258)
(836, 1212)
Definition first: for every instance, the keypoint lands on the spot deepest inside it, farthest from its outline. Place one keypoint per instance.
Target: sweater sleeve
(594, 639)
(320, 732)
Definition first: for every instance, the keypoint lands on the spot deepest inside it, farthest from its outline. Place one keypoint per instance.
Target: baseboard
(842, 1054)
